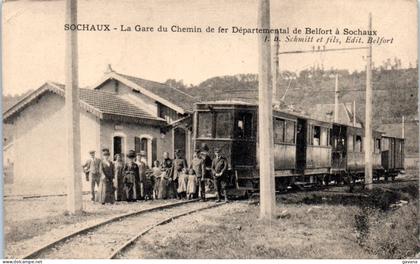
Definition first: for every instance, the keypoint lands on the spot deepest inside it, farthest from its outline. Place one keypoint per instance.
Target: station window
(358, 144)
(316, 135)
(224, 125)
(205, 125)
(244, 125)
(290, 132)
(278, 128)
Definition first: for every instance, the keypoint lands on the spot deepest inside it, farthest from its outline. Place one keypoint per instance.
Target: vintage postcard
(181, 129)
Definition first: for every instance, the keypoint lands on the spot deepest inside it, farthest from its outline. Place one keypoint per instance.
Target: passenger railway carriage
(305, 150)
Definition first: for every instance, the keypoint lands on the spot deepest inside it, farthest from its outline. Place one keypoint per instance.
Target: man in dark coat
(207, 162)
(91, 169)
(219, 169)
(166, 162)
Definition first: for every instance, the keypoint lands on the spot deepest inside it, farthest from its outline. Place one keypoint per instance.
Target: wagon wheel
(326, 179)
(349, 180)
(386, 176)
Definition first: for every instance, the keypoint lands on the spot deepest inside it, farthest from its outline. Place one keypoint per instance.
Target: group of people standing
(133, 180)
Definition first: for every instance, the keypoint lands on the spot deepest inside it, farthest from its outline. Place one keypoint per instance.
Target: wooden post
(336, 99)
(265, 113)
(72, 115)
(368, 122)
(402, 127)
(275, 69)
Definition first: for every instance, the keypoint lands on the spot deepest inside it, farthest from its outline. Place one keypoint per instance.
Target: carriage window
(224, 125)
(385, 144)
(350, 142)
(324, 136)
(244, 125)
(378, 145)
(290, 132)
(316, 135)
(205, 125)
(278, 127)
(358, 144)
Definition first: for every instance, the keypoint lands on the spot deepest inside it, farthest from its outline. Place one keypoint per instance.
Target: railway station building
(119, 112)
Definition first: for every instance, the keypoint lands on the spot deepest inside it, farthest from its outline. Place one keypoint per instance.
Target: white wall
(40, 144)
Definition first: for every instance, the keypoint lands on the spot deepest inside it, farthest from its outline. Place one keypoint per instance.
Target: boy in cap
(91, 169)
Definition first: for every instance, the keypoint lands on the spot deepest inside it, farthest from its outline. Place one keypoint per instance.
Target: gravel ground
(25, 231)
(102, 242)
(234, 231)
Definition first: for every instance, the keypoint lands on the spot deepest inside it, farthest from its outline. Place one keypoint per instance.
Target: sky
(34, 38)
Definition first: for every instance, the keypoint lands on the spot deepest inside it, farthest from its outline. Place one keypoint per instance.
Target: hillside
(395, 94)
(395, 91)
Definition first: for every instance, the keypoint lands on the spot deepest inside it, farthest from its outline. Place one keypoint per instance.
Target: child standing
(182, 184)
(192, 184)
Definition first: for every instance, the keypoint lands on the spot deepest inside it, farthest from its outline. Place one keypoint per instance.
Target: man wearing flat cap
(218, 168)
(91, 169)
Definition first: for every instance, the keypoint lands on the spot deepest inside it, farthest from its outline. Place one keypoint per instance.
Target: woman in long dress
(131, 175)
(119, 177)
(156, 172)
(106, 186)
(163, 185)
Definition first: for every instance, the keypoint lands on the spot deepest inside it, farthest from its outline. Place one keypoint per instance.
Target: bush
(388, 233)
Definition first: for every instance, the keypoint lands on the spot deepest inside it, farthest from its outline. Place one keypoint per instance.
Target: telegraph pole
(354, 113)
(336, 99)
(403, 127)
(368, 125)
(265, 113)
(275, 69)
(72, 115)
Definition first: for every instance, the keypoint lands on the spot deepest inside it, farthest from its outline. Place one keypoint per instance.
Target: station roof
(104, 105)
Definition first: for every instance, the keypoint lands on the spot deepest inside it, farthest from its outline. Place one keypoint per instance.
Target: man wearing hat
(219, 167)
(178, 164)
(207, 161)
(197, 165)
(91, 169)
(141, 162)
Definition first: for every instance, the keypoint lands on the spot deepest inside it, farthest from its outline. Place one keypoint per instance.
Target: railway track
(110, 238)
